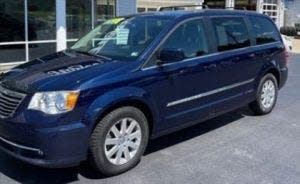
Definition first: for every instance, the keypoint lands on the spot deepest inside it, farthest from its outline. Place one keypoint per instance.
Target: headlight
(54, 102)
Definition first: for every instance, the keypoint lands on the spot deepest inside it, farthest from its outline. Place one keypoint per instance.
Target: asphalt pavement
(234, 148)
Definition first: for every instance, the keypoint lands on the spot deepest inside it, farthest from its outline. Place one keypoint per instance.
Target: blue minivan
(135, 78)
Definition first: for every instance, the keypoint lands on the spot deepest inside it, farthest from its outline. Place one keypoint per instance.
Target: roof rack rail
(180, 7)
(183, 7)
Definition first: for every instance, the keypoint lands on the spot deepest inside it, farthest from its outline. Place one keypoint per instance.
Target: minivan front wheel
(266, 95)
(118, 141)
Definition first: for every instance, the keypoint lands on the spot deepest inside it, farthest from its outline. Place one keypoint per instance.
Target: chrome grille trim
(9, 102)
(20, 146)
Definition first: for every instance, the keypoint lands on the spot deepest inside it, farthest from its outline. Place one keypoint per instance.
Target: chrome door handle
(210, 67)
(253, 55)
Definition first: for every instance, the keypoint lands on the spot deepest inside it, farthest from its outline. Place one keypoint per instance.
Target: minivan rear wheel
(266, 96)
(118, 141)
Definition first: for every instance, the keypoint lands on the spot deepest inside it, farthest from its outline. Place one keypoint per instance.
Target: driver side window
(190, 38)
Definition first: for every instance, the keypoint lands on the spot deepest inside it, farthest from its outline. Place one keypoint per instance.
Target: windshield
(123, 39)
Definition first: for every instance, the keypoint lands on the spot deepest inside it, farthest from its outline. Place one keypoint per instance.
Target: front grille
(9, 102)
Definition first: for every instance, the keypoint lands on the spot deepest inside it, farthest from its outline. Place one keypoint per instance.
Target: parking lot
(234, 148)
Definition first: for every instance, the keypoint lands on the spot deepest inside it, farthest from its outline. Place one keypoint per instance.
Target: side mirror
(170, 55)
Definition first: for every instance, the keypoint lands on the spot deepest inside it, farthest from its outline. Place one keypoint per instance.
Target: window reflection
(264, 30)
(41, 20)
(12, 53)
(231, 32)
(42, 49)
(42, 24)
(190, 38)
(70, 44)
(105, 9)
(79, 15)
(215, 3)
(12, 27)
(248, 4)
(79, 20)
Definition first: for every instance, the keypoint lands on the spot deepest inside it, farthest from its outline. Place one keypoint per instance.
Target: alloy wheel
(123, 141)
(268, 94)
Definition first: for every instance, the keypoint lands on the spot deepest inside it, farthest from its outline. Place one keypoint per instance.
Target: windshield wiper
(91, 54)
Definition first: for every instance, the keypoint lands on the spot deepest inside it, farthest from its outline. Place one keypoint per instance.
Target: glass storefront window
(105, 9)
(215, 3)
(248, 4)
(41, 20)
(70, 44)
(12, 53)
(140, 9)
(41, 49)
(151, 9)
(41, 25)
(12, 27)
(79, 18)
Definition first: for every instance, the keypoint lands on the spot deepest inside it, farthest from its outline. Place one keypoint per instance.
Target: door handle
(210, 67)
(182, 71)
(225, 63)
(252, 55)
(176, 74)
(236, 59)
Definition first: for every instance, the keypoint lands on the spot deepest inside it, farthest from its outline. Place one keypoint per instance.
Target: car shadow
(196, 130)
(28, 174)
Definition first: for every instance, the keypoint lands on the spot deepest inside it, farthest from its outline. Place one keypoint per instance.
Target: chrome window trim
(199, 57)
(208, 93)
(185, 60)
(210, 55)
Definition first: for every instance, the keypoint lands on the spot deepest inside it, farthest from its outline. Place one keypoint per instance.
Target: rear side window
(189, 37)
(232, 33)
(265, 31)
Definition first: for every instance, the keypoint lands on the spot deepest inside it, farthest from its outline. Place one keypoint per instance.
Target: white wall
(292, 13)
(126, 7)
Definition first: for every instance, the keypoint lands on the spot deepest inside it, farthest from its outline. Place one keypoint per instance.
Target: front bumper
(56, 147)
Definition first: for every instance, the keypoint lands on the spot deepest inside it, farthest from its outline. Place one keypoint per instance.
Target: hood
(60, 71)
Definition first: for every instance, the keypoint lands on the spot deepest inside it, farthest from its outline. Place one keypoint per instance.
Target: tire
(259, 106)
(104, 141)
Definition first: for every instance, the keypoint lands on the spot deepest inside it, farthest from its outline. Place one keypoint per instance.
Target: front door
(193, 78)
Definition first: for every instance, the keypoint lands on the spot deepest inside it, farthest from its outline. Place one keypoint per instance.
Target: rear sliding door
(235, 60)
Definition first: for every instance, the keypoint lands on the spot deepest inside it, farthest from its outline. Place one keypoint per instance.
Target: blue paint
(63, 139)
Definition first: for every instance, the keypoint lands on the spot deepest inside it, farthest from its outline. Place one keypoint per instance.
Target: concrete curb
(296, 45)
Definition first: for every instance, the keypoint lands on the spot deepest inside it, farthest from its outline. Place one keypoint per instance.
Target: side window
(265, 31)
(190, 38)
(232, 33)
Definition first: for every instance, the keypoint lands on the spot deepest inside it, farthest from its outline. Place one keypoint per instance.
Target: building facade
(273, 8)
(33, 28)
(153, 5)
